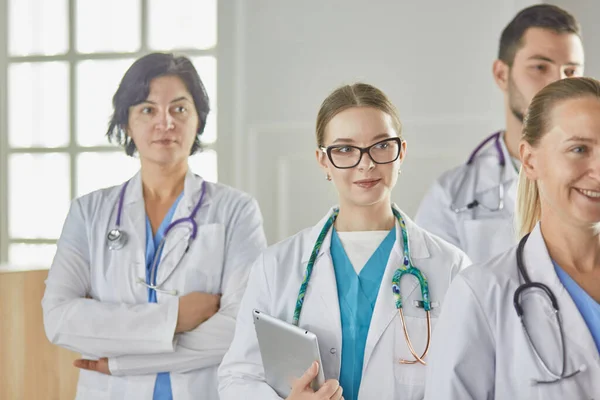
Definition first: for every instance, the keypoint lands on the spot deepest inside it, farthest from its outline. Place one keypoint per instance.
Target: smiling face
(368, 182)
(566, 162)
(164, 126)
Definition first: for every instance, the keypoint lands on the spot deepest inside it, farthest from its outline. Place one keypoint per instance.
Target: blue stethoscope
(496, 137)
(117, 239)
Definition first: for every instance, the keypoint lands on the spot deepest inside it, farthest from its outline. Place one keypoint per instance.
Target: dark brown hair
(135, 87)
(539, 16)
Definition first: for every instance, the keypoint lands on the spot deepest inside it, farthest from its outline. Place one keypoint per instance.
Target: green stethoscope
(407, 267)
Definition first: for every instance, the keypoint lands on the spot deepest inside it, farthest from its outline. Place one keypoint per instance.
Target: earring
(399, 171)
(328, 177)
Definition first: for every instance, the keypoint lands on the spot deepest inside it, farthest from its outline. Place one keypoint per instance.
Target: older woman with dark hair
(148, 275)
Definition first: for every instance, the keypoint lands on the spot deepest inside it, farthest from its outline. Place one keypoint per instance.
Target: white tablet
(287, 352)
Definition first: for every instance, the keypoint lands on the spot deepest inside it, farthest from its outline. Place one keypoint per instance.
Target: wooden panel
(30, 367)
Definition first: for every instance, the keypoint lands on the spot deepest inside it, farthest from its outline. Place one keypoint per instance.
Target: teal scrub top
(357, 294)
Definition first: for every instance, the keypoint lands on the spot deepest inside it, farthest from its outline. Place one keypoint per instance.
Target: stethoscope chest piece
(116, 239)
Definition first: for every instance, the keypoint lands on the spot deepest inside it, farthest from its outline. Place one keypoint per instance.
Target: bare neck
(512, 135)
(573, 247)
(376, 217)
(163, 183)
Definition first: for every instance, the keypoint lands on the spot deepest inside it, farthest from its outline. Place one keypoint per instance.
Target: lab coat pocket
(92, 386)
(90, 394)
(204, 261)
(569, 388)
(113, 273)
(485, 238)
(410, 378)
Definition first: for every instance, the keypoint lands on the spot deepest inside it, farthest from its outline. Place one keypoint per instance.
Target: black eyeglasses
(344, 156)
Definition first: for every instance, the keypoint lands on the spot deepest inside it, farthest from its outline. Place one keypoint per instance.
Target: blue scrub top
(357, 294)
(162, 386)
(587, 306)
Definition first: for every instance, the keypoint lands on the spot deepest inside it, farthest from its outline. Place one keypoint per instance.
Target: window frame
(73, 149)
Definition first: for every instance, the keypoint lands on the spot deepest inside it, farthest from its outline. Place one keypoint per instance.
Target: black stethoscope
(517, 303)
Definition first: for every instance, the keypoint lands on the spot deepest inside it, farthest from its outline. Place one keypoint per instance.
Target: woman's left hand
(100, 365)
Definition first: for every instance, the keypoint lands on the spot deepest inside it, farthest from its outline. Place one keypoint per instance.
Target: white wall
(433, 58)
(587, 13)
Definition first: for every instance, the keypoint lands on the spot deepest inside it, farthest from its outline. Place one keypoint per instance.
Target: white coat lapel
(321, 311)
(385, 307)
(178, 239)
(578, 339)
(323, 287)
(134, 212)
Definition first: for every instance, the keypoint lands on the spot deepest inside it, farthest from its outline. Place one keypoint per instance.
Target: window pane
(182, 24)
(31, 255)
(207, 69)
(38, 189)
(37, 27)
(101, 170)
(97, 82)
(205, 165)
(108, 26)
(38, 104)
(210, 131)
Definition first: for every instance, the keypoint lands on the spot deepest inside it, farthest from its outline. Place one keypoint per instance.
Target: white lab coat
(480, 350)
(116, 321)
(273, 288)
(479, 232)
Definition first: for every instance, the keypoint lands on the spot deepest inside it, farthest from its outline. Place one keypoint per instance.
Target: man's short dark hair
(539, 16)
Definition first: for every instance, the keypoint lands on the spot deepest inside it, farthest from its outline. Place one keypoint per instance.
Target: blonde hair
(536, 124)
(356, 95)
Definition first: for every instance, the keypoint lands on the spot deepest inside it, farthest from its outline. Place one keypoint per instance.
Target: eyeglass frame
(327, 150)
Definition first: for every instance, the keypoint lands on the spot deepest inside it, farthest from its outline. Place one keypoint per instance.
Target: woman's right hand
(301, 390)
(195, 308)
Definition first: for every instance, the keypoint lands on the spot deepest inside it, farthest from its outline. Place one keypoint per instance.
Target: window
(61, 62)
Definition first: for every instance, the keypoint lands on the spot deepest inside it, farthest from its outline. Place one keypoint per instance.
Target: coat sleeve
(182, 360)
(461, 363)
(435, 215)
(206, 345)
(241, 374)
(91, 327)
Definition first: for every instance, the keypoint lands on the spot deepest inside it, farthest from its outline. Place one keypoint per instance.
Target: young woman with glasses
(365, 279)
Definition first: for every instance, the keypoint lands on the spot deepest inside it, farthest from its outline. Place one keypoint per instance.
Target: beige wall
(30, 367)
